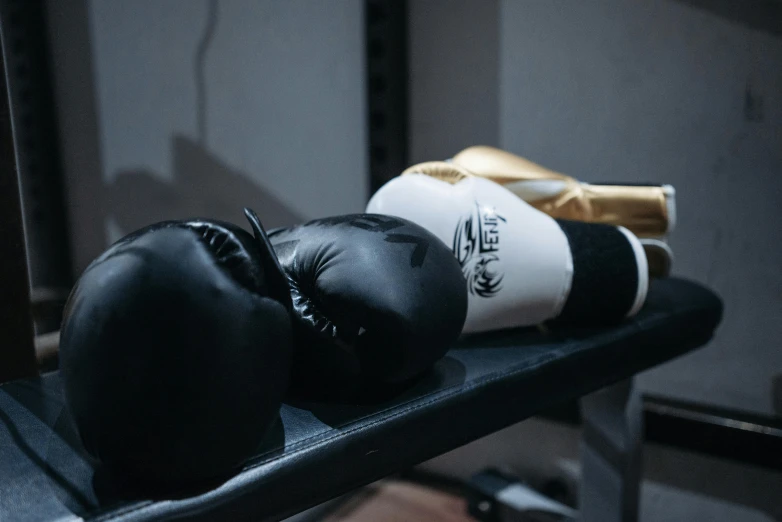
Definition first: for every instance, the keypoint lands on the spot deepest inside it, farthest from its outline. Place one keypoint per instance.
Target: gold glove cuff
(647, 211)
(442, 170)
(644, 210)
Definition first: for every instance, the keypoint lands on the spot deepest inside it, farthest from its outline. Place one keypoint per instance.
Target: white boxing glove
(522, 266)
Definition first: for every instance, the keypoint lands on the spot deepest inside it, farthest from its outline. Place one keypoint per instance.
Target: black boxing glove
(376, 299)
(175, 351)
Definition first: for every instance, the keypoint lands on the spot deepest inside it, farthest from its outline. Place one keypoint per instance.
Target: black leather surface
(375, 298)
(174, 355)
(605, 274)
(318, 451)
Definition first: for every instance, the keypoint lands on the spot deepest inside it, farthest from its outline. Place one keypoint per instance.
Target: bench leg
(611, 454)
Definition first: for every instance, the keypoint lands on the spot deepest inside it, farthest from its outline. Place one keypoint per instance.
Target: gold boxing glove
(649, 211)
(563, 197)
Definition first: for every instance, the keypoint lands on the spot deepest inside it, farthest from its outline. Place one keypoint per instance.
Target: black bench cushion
(317, 451)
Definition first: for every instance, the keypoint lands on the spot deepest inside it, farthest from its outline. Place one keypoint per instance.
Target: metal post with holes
(17, 355)
(386, 81)
(29, 82)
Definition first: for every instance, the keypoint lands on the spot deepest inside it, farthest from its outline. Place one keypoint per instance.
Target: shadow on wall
(201, 183)
(202, 186)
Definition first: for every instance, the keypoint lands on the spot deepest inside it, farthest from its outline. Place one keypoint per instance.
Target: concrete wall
(184, 107)
(454, 66)
(633, 91)
(660, 91)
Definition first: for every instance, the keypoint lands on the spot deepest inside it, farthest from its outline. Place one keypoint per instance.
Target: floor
(396, 501)
(677, 485)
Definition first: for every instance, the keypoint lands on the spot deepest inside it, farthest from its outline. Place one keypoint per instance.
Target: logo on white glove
(476, 244)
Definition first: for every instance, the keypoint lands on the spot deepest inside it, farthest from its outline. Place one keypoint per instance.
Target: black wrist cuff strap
(605, 274)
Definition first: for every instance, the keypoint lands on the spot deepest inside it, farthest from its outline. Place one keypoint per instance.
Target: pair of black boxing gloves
(180, 341)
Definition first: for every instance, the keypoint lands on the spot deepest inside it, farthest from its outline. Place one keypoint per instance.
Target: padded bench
(320, 450)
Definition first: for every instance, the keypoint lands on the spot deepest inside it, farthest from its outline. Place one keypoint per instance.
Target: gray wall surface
(633, 91)
(454, 60)
(662, 92)
(181, 108)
